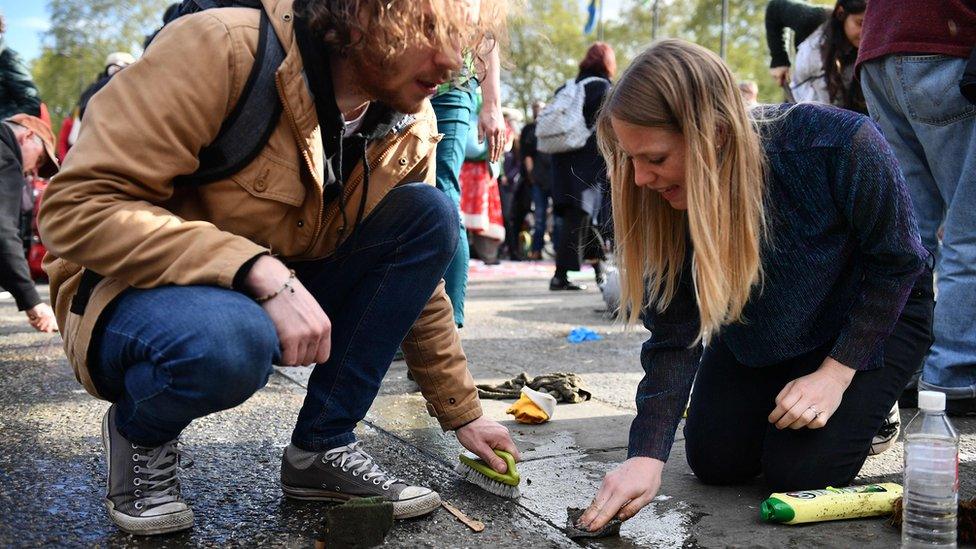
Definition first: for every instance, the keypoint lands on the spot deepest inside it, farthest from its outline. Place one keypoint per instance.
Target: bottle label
(811, 494)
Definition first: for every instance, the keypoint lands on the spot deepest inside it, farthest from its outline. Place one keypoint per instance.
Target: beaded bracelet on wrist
(286, 286)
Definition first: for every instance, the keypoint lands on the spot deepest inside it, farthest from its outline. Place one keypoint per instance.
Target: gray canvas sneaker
(348, 472)
(143, 484)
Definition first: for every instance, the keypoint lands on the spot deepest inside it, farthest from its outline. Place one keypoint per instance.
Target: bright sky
(27, 19)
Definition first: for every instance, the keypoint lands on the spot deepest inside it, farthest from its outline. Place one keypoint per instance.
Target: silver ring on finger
(816, 412)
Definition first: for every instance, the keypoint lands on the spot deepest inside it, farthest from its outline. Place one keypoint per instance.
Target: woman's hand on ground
(482, 436)
(41, 318)
(623, 492)
(304, 330)
(809, 401)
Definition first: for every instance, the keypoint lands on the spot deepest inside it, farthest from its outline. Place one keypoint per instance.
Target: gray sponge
(573, 515)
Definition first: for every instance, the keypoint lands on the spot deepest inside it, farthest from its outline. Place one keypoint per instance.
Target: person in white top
(823, 71)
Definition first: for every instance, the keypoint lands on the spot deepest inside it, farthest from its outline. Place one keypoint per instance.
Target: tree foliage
(548, 40)
(82, 34)
(546, 44)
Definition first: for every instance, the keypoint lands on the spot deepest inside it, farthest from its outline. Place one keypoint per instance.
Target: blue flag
(590, 17)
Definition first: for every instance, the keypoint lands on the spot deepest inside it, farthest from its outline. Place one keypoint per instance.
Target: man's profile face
(413, 75)
(31, 151)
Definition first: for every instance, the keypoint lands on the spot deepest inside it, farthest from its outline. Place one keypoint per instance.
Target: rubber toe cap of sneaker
(413, 492)
(166, 509)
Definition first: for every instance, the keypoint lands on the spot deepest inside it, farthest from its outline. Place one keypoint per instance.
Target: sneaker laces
(159, 484)
(353, 457)
(888, 428)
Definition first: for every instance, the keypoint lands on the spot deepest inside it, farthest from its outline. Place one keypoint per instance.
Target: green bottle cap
(774, 510)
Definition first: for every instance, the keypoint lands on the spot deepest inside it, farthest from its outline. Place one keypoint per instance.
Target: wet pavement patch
(52, 476)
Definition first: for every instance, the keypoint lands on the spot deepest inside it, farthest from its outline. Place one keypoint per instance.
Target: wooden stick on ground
(474, 525)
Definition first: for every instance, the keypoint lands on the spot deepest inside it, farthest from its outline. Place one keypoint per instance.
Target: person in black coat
(580, 179)
(18, 94)
(114, 63)
(26, 146)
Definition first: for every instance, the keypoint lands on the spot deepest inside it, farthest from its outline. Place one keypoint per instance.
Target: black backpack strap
(89, 279)
(244, 133)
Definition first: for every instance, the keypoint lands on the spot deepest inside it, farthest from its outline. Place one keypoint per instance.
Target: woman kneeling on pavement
(770, 253)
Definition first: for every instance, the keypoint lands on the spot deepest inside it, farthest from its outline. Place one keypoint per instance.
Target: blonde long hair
(686, 88)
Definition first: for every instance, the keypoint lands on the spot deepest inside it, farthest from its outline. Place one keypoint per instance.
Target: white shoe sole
(413, 507)
(140, 526)
(150, 526)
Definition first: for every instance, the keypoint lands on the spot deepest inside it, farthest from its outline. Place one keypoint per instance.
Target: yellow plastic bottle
(830, 504)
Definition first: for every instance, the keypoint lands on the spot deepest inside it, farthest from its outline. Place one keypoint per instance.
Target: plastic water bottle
(931, 476)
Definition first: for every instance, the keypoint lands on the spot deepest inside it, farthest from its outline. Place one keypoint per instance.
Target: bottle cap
(774, 510)
(931, 401)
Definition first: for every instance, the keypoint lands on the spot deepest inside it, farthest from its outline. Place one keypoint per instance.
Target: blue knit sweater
(842, 256)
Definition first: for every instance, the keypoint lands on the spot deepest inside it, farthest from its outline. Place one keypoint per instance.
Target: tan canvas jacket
(114, 209)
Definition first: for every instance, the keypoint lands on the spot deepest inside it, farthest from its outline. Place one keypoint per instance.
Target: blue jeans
(169, 355)
(540, 203)
(932, 130)
(453, 110)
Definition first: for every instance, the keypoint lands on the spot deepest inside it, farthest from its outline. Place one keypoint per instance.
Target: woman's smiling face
(658, 159)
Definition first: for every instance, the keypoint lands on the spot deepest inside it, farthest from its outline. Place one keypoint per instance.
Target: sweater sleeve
(871, 193)
(670, 363)
(802, 18)
(14, 272)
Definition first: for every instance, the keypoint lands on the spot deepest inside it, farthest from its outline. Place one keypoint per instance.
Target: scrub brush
(477, 472)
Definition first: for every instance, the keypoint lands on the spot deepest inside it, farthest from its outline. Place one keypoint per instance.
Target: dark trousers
(729, 440)
(169, 355)
(520, 205)
(580, 240)
(912, 336)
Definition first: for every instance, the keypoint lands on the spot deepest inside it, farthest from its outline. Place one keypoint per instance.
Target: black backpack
(245, 131)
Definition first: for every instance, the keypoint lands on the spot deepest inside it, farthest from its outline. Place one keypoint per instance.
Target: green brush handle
(511, 477)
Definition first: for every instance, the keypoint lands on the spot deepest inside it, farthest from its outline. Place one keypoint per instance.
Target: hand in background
(781, 75)
(491, 126)
(41, 318)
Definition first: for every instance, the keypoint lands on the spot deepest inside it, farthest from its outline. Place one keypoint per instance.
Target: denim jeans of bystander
(932, 131)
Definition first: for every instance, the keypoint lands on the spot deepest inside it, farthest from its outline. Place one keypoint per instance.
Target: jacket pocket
(272, 179)
(931, 87)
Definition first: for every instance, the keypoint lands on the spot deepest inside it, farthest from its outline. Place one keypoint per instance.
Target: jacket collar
(315, 136)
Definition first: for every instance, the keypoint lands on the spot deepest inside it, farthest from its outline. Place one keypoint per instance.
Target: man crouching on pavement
(175, 300)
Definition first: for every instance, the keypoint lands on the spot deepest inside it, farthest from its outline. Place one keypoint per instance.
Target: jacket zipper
(308, 162)
(323, 218)
(353, 183)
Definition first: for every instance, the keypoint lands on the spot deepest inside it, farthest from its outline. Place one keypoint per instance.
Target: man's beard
(395, 98)
(375, 81)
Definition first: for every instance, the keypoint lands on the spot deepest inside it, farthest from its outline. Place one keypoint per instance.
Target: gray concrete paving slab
(52, 473)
